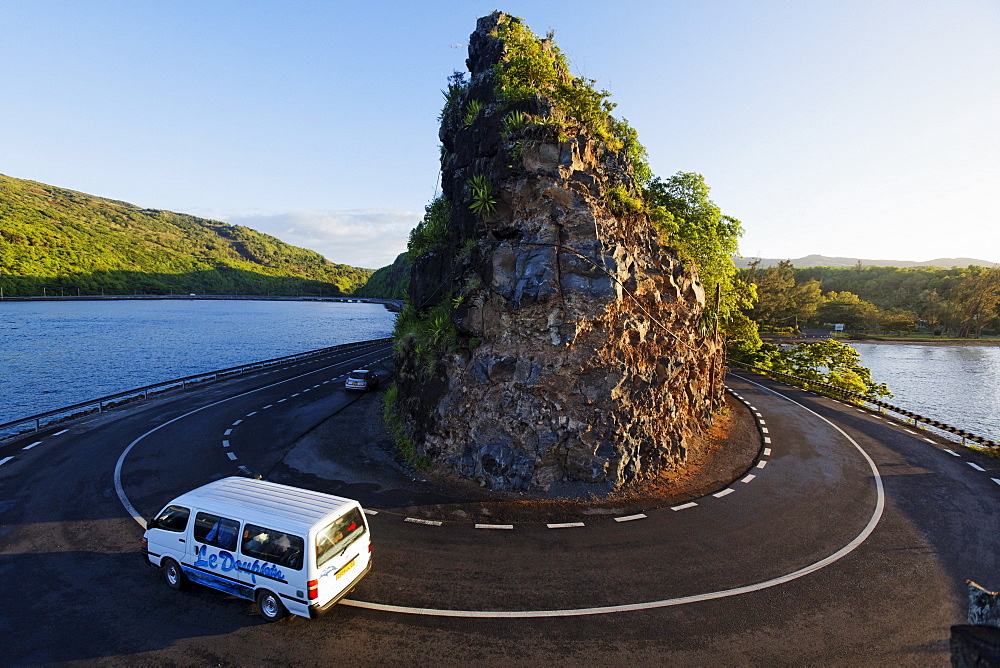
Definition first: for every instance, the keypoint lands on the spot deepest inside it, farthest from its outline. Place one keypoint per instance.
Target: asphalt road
(848, 542)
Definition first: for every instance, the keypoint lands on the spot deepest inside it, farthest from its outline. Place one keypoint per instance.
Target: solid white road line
(631, 518)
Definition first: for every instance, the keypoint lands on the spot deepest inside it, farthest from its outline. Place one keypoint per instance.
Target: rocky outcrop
(572, 351)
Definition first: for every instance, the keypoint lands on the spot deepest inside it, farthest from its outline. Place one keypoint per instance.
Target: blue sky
(865, 129)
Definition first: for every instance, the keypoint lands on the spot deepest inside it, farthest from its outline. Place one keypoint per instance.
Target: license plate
(345, 568)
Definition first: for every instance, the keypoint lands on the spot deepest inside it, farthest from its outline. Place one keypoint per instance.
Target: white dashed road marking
(748, 478)
(231, 455)
(684, 506)
(227, 432)
(251, 414)
(225, 444)
(29, 447)
(761, 465)
(630, 518)
(565, 525)
(494, 526)
(5, 460)
(976, 466)
(764, 430)
(60, 433)
(725, 492)
(767, 452)
(996, 480)
(952, 453)
(417, 520)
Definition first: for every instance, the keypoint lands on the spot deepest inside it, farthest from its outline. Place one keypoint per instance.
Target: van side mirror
(151, 523)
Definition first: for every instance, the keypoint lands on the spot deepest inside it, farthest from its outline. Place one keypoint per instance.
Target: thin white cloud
(369, 238)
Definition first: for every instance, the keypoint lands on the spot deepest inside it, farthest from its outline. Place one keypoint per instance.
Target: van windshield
(335, 539)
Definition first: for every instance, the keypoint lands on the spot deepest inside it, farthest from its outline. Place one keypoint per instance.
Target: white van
(288, 549)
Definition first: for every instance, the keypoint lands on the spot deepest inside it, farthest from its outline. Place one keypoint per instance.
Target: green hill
(388, 282)
(60, 240)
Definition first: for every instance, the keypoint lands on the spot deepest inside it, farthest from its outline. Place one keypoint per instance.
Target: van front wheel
(173, 574)
(270, 606)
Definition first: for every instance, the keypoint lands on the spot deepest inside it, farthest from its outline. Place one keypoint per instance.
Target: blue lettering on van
(225, 562)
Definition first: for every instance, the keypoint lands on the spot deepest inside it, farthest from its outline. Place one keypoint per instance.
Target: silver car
(361, 380)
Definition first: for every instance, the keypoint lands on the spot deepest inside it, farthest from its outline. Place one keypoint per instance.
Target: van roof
(259, 500)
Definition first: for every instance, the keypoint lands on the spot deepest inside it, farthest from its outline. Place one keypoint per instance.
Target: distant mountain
(825, 261)
(62, 241)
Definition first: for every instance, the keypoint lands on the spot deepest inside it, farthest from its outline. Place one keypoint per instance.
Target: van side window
(276, 547)
(218, 531)
(173, 518)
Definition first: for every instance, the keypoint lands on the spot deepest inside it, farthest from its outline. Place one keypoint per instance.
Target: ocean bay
(57, 353)
(955, 384)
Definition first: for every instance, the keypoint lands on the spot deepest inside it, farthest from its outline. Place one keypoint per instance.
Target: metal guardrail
(102, 403)
(825, 388)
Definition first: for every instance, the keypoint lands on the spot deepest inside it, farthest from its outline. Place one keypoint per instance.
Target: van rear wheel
(270, 606)
(173, 574)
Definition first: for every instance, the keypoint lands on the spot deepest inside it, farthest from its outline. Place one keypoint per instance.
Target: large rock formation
(551, 338)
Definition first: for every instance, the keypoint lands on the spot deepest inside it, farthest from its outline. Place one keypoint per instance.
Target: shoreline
(892, 342)
(956, 343)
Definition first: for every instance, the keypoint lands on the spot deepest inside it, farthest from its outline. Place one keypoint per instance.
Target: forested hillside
(61, 241)
(389, 282)
(963, 302)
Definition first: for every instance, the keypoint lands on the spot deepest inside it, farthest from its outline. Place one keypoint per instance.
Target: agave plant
(483, 203)
(514, 121)
(472, 110)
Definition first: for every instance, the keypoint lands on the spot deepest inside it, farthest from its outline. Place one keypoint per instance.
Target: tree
(831, 362)
(849, 309)
(898, 321)
(694, 225)
(976, 303)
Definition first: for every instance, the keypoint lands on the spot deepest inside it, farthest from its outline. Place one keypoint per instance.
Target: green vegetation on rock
(56, 240)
